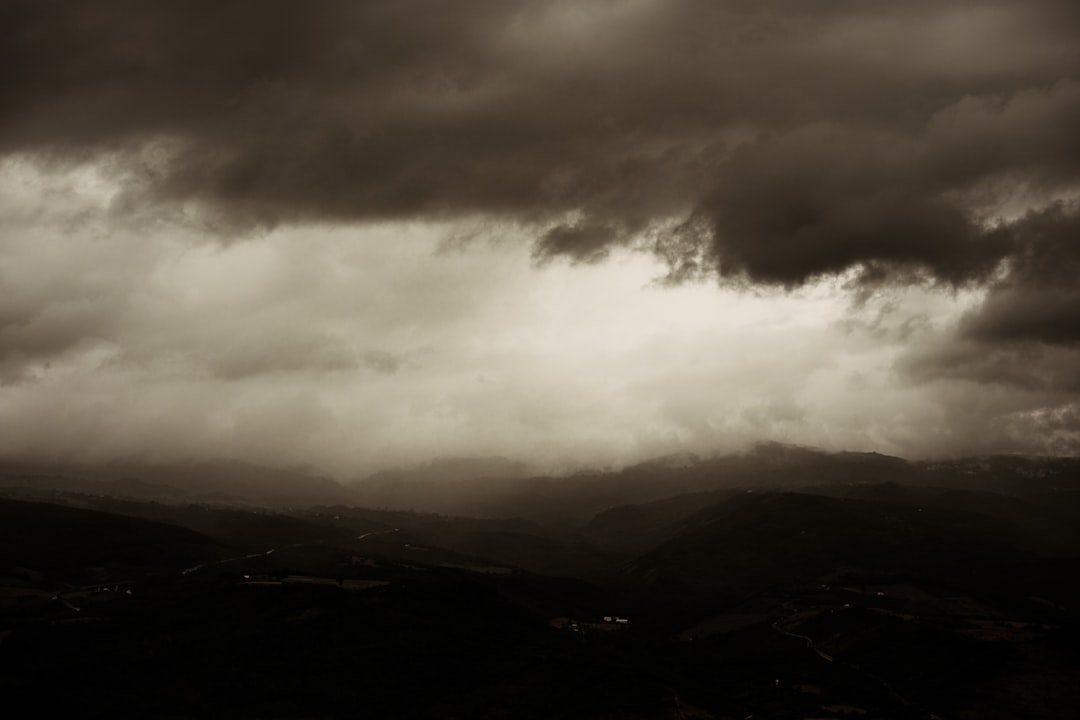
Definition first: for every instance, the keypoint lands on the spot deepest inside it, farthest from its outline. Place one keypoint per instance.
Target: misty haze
(515, 359)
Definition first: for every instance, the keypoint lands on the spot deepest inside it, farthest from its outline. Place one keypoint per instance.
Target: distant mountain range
(225, 482)
(495, 487)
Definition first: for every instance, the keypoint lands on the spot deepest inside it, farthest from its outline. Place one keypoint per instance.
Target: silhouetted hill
(577, 497)
(450, 470)
(222, 482)
(1045, 525)
(637, 528)
(1008, 474)
(758, 540)
(43, 536)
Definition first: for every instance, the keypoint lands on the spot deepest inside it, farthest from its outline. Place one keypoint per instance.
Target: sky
(349, 235)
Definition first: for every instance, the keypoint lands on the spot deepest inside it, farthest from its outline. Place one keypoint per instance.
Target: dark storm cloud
(583, 242)
(1026, 332)
(343, 110)
(821, 199)
(1023, 366)
(1038, 298)
(800, 139)
(1025, 335)
(825, 197)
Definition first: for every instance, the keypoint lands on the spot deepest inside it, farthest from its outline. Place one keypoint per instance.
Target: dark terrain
(782, 583)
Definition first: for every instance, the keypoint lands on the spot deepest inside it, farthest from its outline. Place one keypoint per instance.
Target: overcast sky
(357, 233)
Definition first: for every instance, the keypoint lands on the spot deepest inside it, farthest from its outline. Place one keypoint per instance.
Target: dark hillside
(53, 537)
(757, 540)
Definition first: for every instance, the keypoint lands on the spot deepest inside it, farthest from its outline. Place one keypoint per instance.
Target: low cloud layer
(298, 210)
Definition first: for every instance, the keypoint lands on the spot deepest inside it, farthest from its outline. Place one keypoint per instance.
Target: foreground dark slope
(53, 538)
(831, 590)
(755, 541)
